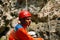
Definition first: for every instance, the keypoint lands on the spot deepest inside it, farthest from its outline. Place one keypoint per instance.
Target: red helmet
(24, 14)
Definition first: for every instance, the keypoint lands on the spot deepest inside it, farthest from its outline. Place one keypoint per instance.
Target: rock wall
(44, 13)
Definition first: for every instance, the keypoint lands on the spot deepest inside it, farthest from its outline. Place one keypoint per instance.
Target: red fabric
(12, 36)
(20, 34)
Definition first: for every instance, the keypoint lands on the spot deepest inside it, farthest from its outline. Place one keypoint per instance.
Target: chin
(28, 24)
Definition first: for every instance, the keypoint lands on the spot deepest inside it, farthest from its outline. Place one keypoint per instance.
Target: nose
(29, 19)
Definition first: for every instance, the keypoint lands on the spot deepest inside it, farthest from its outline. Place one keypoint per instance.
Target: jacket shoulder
(18, 26)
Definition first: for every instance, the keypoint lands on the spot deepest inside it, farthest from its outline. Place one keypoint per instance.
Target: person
(20, 32)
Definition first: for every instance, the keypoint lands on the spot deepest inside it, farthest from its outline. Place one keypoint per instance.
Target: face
(28, 20)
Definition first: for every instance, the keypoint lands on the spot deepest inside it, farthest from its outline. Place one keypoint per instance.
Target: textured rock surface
(44, 13)
(51, 8)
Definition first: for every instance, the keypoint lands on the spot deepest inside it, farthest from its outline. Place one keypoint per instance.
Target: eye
(28, 18)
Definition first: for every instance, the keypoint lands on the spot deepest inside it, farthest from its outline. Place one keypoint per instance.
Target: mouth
(28, 23)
